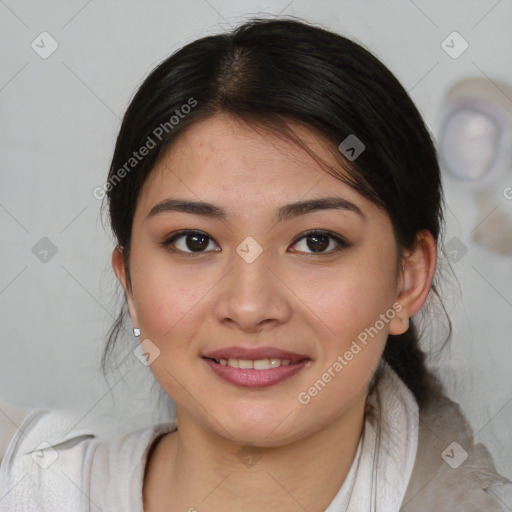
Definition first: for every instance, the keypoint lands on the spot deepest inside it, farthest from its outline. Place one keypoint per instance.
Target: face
(319, 283)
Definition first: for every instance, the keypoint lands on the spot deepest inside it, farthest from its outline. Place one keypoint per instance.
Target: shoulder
(51, 464)
(44, 465)
(451, 471)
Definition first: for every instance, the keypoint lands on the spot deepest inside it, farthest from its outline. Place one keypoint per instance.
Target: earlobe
(399, 324)
(417, 276)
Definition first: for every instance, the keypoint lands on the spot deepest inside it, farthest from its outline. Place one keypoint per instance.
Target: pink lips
(249, 377)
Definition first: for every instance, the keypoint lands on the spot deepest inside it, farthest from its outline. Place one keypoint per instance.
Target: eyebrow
(285, 212)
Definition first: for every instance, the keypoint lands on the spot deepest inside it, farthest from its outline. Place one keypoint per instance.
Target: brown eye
(190, 241)
(319, 241)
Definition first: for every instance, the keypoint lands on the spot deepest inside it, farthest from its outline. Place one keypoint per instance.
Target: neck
(195, 467)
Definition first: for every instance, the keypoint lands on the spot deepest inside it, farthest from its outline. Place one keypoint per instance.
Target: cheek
(352, 339)
(347, 305)
(354, 299)
(167, 300)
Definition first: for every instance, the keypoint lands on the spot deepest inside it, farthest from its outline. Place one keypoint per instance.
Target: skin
(291, 297)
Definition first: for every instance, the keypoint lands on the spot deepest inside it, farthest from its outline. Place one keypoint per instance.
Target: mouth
(261, 367)
(256, 364)
(254, 354)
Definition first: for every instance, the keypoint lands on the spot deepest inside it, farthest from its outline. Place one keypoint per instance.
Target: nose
(254, 295)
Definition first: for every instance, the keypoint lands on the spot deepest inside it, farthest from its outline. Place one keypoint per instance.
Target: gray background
(59, 119)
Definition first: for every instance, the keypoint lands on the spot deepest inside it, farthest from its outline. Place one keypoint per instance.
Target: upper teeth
(258, 364)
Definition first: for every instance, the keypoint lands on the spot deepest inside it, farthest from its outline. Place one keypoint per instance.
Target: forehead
(225, 160)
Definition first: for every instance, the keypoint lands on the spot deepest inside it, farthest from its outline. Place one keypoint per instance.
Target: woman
(277, 207)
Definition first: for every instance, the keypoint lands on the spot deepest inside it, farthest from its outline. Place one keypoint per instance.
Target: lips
(252, 378)
(255, 354)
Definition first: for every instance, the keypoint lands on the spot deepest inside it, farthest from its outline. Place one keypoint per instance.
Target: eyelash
(342, 244)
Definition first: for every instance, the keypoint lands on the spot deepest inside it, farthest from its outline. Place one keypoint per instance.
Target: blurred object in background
(475, 150)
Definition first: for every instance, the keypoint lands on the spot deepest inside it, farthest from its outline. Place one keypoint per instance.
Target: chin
(271, 431)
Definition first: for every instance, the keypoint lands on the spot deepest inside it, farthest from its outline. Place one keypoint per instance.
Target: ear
(415, 281)
(119, 269)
